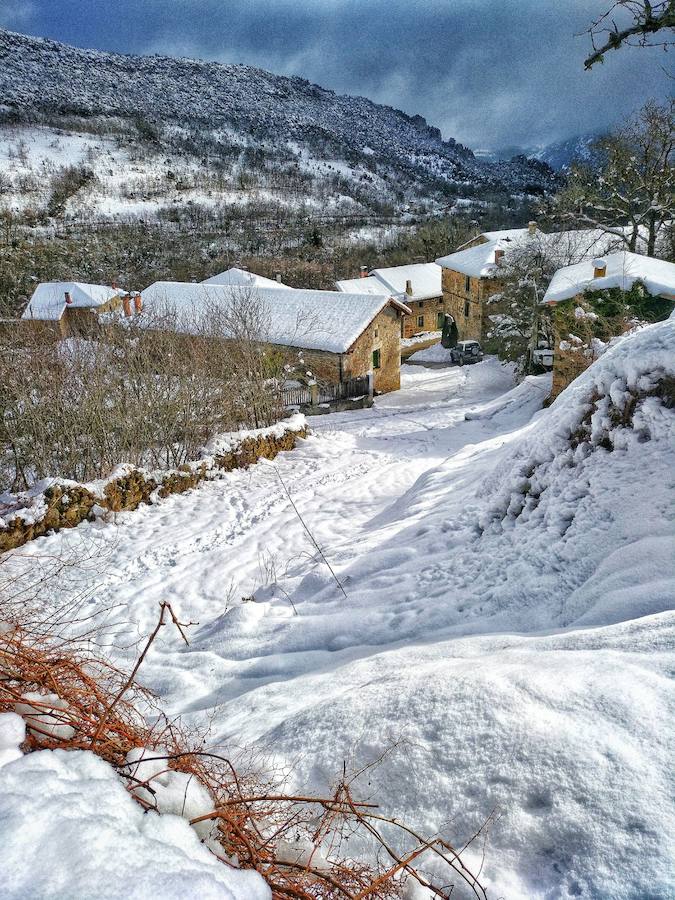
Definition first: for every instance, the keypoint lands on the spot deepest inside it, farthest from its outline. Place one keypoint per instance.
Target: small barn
(69, 307)
(341, 336)
(417, 285)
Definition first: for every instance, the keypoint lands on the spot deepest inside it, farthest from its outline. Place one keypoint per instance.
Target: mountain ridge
(43, 76)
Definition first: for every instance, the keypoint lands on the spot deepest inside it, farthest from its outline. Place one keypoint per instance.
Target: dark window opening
(467, 284)
(466, 309)
(420, 321)
(376, 359)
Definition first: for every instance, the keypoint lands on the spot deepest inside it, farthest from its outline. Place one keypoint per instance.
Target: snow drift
(70, 829)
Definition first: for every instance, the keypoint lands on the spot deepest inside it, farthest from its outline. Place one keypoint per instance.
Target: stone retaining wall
(65, 505)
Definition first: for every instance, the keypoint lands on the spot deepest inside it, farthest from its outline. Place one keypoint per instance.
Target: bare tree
(645, 23)
(633, 195)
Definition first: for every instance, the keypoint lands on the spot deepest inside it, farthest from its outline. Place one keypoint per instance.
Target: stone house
(418, 286)
(574, 352)
(476, 272)
(339, 336)
(67, 308)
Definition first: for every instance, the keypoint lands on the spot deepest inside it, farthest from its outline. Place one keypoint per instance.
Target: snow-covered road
(517, 663)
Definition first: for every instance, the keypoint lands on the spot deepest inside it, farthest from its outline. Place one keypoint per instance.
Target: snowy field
(504, 628)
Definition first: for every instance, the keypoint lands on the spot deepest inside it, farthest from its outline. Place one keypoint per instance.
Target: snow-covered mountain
(562, 154)
(214, 113)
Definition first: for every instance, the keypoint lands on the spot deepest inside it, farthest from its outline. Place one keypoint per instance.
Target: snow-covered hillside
(235, 121)
(506, 630)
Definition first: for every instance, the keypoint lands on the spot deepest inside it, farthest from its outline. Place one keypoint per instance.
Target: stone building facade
(464, 298)
(427, 315)
(377, 349)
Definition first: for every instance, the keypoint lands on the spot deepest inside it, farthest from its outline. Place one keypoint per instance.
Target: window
(377, 332)
(420, 321)
(439, 301)
(421, 304)
(467, 284)
(467, 306)
(376, 359)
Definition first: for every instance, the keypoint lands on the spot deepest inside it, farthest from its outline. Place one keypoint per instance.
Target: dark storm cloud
(487, 72)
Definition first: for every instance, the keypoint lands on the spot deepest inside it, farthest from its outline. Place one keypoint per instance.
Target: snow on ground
(434, 354)
(507, 631)
(70, 829)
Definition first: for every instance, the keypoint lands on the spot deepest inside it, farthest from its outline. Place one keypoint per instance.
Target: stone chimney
(532, 228)
(408, 287)
(499, 256)
(363, 271)
(68, 297)
(599, 268)
(138, 303)
(126, 305)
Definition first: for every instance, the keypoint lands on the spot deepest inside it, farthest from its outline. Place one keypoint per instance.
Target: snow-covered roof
(316, 320)
(505, 234)
(49, 298)
(245, 279)
(622, 271)
(561, 246)
(368, 285)
(425, 280)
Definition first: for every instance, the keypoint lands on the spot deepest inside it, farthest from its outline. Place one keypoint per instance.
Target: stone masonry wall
(382, 334)
(429, 310)
(476, 324)
(66, 505)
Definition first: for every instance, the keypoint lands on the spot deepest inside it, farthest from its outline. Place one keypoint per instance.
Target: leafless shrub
(121, 392)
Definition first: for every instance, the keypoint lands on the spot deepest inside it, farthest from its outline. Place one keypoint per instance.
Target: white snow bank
(68, 829)
(437, 353)
(585, 419)
(12, 735)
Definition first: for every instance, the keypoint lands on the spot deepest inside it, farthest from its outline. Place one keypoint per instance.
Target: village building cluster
(355, 332)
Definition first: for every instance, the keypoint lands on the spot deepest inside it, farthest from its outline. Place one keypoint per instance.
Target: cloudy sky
(491, 73)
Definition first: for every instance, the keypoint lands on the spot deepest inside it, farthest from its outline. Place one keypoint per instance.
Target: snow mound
(622, 401)
(437, 353)
(69, 812)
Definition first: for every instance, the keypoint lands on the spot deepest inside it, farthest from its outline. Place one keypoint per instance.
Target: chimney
(277, 275)
(363, 271)
(68, 297)
(408, 288)
(499, 256)
(532, 228)
(138, 303)
(126, 305)
(599, 268)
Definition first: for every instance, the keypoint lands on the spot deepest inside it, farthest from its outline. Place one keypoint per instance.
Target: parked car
(466, 352)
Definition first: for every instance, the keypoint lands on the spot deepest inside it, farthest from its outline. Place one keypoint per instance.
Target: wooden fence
(315, 395)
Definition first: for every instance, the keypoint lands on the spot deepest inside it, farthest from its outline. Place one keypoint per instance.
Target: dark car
(466, 352)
